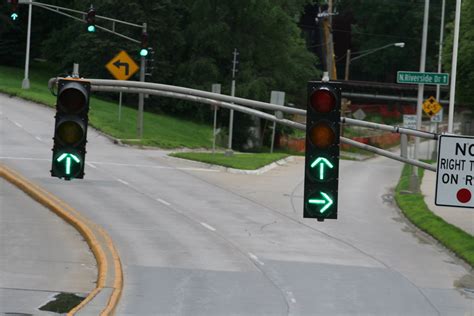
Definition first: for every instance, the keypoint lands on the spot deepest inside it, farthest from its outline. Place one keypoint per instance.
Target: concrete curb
(91, 233)
(259, 171)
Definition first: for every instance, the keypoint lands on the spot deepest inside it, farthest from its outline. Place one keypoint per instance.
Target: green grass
(159, 130)
(415, 209)
(245, 161)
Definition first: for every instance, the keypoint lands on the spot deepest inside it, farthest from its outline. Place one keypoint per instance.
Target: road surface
(196, 241)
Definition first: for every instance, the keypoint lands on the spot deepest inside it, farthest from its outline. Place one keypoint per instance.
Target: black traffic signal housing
(323, 125)
(14, 10)
(70, 129)
(144, 45)
(150, 62)
(90, 20)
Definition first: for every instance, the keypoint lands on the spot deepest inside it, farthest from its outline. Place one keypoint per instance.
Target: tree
(465, 66)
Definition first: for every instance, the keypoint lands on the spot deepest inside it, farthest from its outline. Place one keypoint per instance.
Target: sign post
(455, 172)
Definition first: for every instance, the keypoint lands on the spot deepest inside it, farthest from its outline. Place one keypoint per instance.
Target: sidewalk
(463, 218)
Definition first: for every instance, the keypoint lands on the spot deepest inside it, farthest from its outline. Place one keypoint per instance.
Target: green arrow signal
(327, 202)
(68, 158)
(14, 16)
(321, 161)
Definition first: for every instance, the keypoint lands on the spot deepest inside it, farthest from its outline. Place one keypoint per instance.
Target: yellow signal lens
(322, 135)
(70, 133)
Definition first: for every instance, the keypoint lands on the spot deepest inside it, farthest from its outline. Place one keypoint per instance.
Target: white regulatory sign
(455, 171)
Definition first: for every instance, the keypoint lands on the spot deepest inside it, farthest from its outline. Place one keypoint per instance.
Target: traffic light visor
(72, 99)
(322, 135)
(323, 100)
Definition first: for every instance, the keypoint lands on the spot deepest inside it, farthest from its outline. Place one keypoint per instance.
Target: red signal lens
(322, 135)
(323, 101)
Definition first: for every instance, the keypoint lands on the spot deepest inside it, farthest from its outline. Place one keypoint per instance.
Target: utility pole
(330, 56)
(26, 81)
(232, 93)
(140, 95)
(454, 65)
(421, 87)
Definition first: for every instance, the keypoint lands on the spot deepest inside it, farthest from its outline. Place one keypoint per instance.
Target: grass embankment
(159, 130)
(415, 209)
(237, 160)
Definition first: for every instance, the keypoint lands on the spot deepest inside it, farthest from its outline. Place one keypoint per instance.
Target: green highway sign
(412, 77)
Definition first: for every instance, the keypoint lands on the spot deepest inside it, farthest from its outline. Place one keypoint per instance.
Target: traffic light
(150, 62)
(90, 19)
(70, 129)
(322, 150)
(144, 45)
(14, 15)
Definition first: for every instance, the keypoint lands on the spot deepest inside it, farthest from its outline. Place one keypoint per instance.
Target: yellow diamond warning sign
(431, 106)
(122, 66)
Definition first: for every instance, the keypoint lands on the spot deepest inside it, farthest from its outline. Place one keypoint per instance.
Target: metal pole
(25, 84)
(273, 137)
(140, 95)
(440, 54)
(331, 45)
(215, 88)
(454, 64)
(120, 107)
(231, 120)
(232, 93)
(420, 92)
(348, 62)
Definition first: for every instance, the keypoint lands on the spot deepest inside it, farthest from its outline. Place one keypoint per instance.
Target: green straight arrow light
(327, 202)
(321, 161)
(68, 161)
(14, 16)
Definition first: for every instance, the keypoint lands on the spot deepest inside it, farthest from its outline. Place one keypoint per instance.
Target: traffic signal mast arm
(59, 10)
(239, 104)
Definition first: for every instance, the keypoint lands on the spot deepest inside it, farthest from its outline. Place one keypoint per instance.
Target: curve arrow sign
(118, 64)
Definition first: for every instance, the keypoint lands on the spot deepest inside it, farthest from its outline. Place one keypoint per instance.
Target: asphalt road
(196, 241)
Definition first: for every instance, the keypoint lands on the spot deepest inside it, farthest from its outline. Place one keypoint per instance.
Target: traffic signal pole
(25, 84)
(141, 97)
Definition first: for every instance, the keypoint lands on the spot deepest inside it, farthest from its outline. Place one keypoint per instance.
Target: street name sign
(122, 66)
(413, 77)
(455, 171)
(431, 106)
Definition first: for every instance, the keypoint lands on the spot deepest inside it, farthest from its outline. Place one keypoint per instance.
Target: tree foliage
(193, 40)
(465, 66)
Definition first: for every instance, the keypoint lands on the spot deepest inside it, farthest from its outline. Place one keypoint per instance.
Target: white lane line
(38, 138)
(91, 165)
(17, 124)
(208, 226)
(255, 258)
(122, 181)
(163, 201)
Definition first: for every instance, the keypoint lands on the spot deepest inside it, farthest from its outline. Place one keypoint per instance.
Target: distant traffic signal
(70, 129)
(14, 11)
(322, 150)
(90, 19)
(144, 45)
